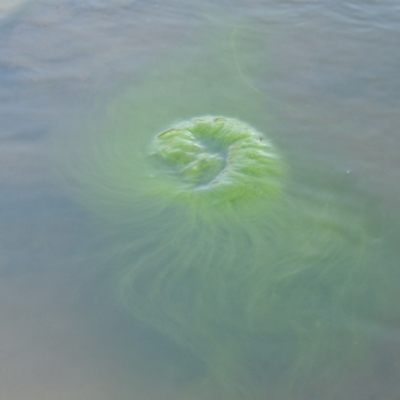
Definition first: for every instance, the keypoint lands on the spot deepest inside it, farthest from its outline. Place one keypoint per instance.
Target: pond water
(119, 282)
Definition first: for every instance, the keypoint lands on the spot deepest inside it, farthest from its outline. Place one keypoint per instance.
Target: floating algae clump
(216, 160)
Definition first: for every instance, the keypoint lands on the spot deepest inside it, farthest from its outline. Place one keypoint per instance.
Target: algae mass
(252, 263)
(218, 160)
(231, 261)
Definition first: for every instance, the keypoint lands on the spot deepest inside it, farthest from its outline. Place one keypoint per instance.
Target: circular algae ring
(219, 160)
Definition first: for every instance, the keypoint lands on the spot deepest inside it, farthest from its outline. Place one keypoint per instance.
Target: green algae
(220, 160)
(237, 254)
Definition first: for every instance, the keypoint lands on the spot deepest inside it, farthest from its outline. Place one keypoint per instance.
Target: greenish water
(124, 279)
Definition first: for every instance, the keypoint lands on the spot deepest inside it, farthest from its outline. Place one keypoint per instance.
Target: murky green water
(122, 281)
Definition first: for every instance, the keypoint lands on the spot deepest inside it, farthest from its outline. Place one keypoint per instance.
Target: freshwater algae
(222, 253)
(251, 262)
(218, 160)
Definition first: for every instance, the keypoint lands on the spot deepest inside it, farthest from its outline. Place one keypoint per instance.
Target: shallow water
(320, 79)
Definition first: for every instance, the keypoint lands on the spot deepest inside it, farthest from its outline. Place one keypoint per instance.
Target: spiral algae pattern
(251, 263)
(257, 277)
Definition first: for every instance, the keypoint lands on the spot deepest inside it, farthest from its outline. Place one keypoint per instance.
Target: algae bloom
(255, 269)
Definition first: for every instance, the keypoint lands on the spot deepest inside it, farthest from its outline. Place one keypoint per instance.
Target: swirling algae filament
(256, 277)
(236, 255)
(248, 275)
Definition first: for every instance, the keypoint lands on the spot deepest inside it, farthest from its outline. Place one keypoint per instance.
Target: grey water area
(327, 76)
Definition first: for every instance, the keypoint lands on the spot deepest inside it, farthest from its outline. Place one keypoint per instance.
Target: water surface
(320, 79)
